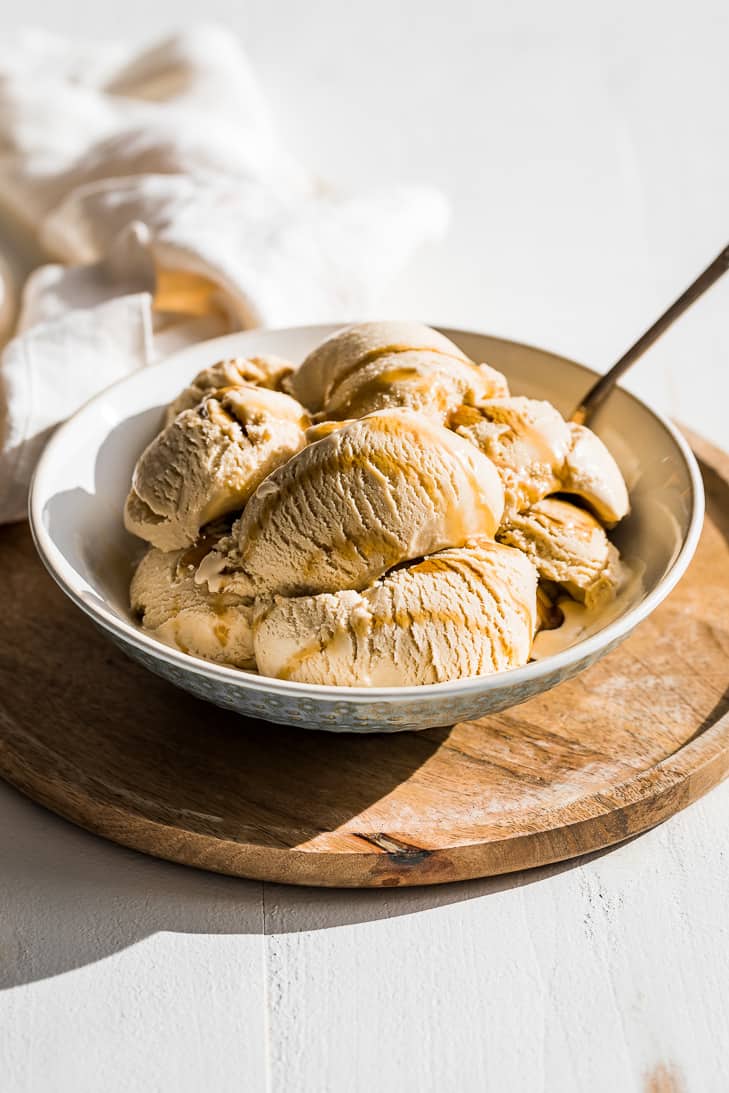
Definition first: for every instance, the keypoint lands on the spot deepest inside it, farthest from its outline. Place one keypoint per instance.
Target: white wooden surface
(584, 148)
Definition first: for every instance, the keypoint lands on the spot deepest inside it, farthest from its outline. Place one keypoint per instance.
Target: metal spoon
(602, 387)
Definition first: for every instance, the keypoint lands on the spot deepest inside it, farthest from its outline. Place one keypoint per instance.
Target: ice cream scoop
(176, 610)
(390, 487)
(209, 460)
(461, 612)
(590, 471)
(526, 438)
(263, 371)
(376, 366)
(568, 546)
(417, 379)
(537, 453)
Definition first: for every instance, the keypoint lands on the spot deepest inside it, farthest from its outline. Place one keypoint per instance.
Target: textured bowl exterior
(340, 715)
(83, 477)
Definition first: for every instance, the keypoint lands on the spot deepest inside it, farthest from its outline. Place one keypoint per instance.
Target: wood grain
(604, 756)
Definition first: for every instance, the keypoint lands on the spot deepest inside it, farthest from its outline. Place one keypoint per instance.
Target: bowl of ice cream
(371, 529)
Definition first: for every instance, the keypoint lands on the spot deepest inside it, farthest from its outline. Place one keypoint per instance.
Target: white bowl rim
(64, 574)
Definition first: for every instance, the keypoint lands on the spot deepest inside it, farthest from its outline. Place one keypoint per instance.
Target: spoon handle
(602, 387)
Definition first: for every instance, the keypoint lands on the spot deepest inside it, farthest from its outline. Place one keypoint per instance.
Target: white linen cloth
(156, 183)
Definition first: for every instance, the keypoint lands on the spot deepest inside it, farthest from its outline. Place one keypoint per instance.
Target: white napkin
(156, 182)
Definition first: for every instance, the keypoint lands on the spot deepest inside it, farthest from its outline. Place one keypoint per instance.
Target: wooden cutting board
(637, 737)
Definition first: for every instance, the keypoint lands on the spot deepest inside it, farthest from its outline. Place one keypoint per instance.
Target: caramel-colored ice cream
(538, 453)
(263, 371)
(390, 487)
(180, 612)
(568, 546)
(394, 516)
(209, 460)
(380, 366)
(590, 471)
(527, 440)
(462, 612)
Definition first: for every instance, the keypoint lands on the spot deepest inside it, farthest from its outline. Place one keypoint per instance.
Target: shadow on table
(69, 899)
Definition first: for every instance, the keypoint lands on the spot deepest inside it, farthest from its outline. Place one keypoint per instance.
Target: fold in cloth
(156, 183)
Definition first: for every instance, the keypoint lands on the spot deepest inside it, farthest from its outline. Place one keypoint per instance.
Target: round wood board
(620, 748)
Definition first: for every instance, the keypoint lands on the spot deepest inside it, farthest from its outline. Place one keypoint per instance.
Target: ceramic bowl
(83, 478)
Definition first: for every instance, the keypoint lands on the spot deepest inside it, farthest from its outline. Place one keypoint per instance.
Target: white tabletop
(584, 149)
